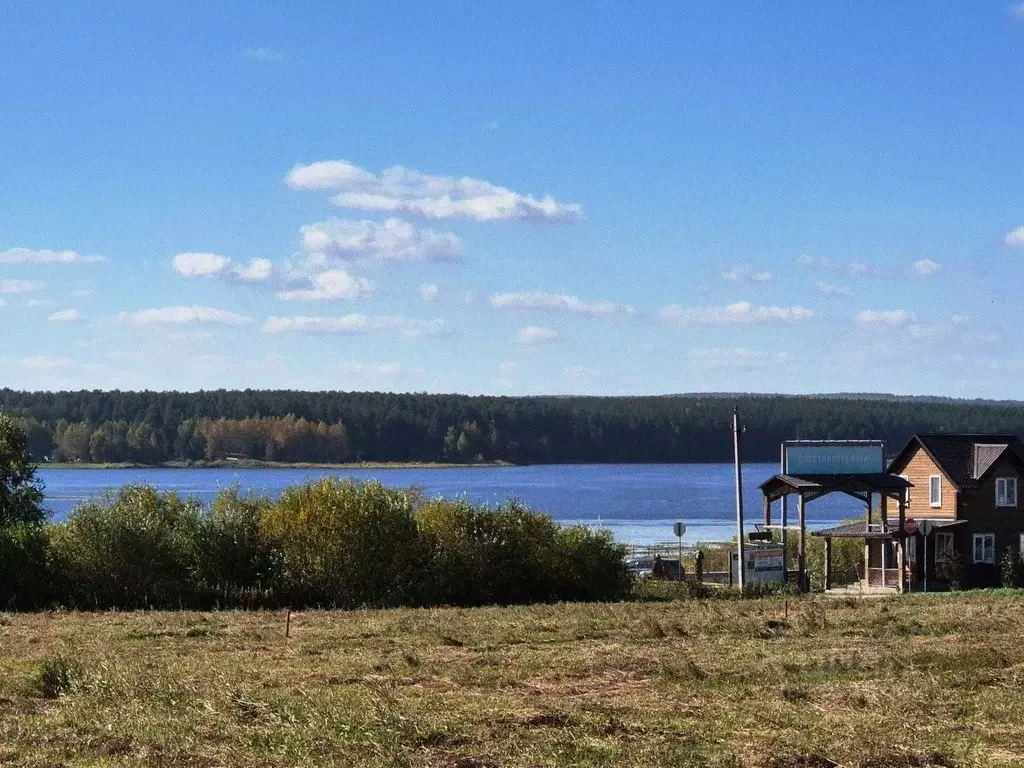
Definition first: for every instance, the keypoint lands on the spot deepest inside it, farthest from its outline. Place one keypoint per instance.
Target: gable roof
(964, 458)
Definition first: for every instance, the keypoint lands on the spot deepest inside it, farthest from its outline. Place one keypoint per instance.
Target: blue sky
(513, 198)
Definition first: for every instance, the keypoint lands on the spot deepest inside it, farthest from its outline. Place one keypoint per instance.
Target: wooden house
(967, 487)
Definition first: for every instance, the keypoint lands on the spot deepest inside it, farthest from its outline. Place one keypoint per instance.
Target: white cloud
(268, 55)
(198, 264)
(1014, 238)
(193, 264)
(44, 256)
(333, 285)
(742, 359)
(3, 303)
(1016, 11)
(925, 267)
(508, 367)
(405, 191)
(892, 318)
(745, 273)
(830, 289)
(355, 325)
(11, 287)
(65, 316)
(820, 263)
(468, 298)
(429, 291)
(43, 362)
(534, 335)
(183, 315)
(390, 242)
(556, 302)
(257, 270)
(740, 313)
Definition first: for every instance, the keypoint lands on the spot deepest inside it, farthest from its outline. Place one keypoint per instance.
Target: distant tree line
(154, 427)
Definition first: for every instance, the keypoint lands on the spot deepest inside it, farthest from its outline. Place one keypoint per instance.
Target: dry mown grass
(926, 681)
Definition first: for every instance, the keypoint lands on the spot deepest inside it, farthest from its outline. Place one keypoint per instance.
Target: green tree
(21, 493)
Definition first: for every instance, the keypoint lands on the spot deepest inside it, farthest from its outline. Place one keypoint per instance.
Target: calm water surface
(637, 502)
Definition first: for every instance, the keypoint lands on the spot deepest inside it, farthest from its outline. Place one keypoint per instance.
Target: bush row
(331, 544)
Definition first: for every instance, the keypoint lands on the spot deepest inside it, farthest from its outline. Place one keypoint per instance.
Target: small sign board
(833, 458)
(925, 527)
(679, 529)
(764, 564)
(910, 526)
(760, 536)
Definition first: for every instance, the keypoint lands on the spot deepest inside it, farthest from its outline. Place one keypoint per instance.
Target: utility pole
(739, 497)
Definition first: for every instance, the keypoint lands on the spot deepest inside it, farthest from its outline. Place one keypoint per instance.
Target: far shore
(254, 464)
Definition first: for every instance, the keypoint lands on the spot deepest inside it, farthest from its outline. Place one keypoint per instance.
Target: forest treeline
(291, 426)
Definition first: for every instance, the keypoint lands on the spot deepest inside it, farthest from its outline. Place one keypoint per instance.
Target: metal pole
(925, 537)
(740, 553)
(680, 558)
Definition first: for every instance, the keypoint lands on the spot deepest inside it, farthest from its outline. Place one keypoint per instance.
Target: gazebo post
(767, 512)
(802, 544)
(828, 563)
(900, 540)
(785, 535)
(867, 550)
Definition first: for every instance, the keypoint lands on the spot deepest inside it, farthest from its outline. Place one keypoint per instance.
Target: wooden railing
(883, 577)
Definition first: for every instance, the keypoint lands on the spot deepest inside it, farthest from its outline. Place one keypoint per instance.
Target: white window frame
(945, 545)
(1006, 498)
(1022, 545)
(988, 548)
(934, 499)
(906, 492)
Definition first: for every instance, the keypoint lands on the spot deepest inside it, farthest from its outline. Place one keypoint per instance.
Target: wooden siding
(917, 468)
(979, 508)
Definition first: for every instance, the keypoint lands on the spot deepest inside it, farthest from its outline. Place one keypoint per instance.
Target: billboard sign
(863, 458)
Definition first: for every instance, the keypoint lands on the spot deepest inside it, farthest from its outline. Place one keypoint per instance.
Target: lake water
(637, 502)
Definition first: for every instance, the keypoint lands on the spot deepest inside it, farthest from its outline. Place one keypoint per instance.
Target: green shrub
(236, 562)
(57, 676)
(952, 570)
(510, 554)
(131, 549)
(25, 580)
(1011, 570)
(590, 565)
(346, 544)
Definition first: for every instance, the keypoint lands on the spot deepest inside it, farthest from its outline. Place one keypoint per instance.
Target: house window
(985, 548)
(1022, 545)
(1006, 491)
(906, 491)
(944, 546)
(935, 491)
(912, 550)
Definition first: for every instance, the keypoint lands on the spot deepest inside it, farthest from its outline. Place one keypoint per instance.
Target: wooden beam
(802, 543)
(767, 511)
(828, 562)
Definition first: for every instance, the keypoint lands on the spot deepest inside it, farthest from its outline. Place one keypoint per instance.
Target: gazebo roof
(813, 486)
(861, 531)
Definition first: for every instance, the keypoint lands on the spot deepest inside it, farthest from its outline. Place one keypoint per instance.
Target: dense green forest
(154, 427)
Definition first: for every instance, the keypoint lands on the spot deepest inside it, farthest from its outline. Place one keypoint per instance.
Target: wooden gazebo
(810, 487)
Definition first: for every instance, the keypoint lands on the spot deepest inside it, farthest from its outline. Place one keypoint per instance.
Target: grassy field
(920, 681)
